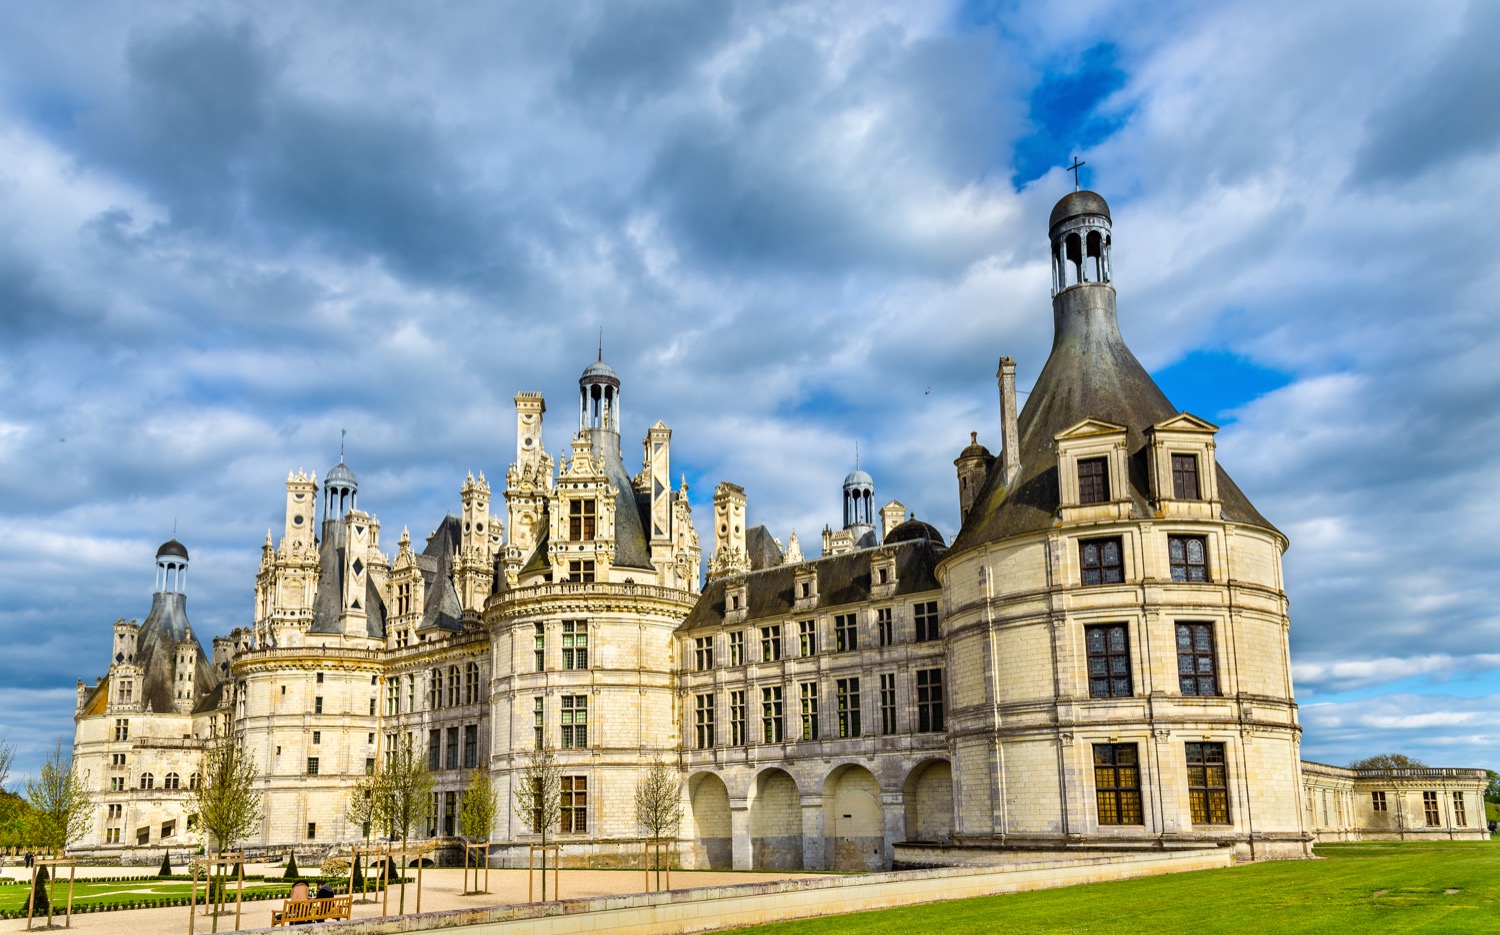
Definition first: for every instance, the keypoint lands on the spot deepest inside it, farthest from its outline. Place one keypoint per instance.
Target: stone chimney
(1010, 443)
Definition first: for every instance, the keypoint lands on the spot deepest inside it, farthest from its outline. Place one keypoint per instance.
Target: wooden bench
(300, 911)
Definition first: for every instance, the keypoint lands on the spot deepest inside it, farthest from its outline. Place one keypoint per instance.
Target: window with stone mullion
(1196, 673)
(1117, 784)
(1208, 784)
(1108, 647)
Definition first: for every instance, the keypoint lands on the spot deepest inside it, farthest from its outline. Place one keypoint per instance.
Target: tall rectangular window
(925, 615)
(885, 629)
(312, 766)
(411, 692)
(581, 572)
(318, 705)
(1185, 477)
(471, 683)
(1460, 814)
(581, 516)
(454, 687)
(1093, 480)
(434, 750)
(122, 729)
(772, 729)
(737, 648)
(434, 689)
(471, 746)
(393, 698)
(703, 653)
(539, 645)
(1188, 557)
(450, 761)
(450, 812)
(1195, 659)
(703, 720)
(1117, 784)
(809, 710)
(845, 633)
(737, 719)
(1430, 809)
(1108, 660)
(575, 721)
(929, 700)
(847, 691)
(807, 637)
(575, 801)
(575, 644)
(1208, 784)
(770, 643)
(888, 702)
(1101, 561)
(538, 725)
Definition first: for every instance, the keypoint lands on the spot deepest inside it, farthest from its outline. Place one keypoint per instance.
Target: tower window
(575, 644)
(1208, 784)
(1109, 661)
(1117, 783)
(1185, 477)
(1195, 659)
(581, 516)
(1188, 557)
(1093, 480)
(575, 721)
(581, 572)
(1100, 560)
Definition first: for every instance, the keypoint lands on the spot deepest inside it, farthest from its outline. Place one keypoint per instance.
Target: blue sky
(229, 231)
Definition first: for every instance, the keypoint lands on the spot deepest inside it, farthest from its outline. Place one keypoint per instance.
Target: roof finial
(174, 527)
(601, 344)
(343, 433)
(856, 454)
(1074, 169)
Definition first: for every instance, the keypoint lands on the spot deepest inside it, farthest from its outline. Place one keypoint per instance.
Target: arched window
(435, 689)
(471, 683)
(171, 782)
(195, 780)
(148, 781)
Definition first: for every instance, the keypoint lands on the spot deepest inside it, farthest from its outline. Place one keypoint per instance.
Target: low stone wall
(724, 907)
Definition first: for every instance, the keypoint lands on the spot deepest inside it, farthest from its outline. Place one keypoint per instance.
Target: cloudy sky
(228, 232)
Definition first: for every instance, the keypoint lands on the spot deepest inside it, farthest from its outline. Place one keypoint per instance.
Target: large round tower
(1117, 639)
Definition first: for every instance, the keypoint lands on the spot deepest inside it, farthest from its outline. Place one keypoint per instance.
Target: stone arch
(928, 794)
(775, 821)
(853, 819)
(712, 833)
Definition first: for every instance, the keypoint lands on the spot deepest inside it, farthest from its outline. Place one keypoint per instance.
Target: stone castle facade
(1098, 660)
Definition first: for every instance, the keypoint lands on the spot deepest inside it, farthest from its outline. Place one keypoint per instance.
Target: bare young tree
(404, 795)
(658, 806)
(61, 805)
(476, 816)
(539, 797)
(225, 804)
(361, 808)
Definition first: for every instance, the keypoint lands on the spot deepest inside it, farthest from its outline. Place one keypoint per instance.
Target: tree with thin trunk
(539, 797)
(658, 807)
(362, 809)
(404, 798)
(225, 804)
(62, 808)
(476, 816)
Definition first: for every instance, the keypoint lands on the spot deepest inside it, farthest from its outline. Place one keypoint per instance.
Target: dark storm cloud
(1442, 116)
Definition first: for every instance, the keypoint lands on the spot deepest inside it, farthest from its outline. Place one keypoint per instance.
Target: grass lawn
(14, 896)
(1336, 895)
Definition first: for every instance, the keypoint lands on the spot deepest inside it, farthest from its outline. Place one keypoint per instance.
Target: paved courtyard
(441, 889)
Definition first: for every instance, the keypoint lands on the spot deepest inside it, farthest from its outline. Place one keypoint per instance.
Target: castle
(1098, 660)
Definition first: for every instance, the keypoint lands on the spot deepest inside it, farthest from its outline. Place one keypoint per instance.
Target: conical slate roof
(156, 652)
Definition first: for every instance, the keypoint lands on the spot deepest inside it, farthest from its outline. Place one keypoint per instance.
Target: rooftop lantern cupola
(171, 568)
(859, 503)
(339, 489)
(1080, 242)
(599, 398)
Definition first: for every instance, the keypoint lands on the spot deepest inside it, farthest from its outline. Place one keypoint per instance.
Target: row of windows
(441, 755)
(170, 782)
(770, 642)
(445, 689)
(1093, 479)
(1117, 783)
(143, 834)
(1109, 669)
(1101, 561)
(848, 699)
(1431, 812)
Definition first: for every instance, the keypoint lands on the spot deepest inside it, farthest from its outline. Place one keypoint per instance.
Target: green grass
(1335, 895)
(13, 897)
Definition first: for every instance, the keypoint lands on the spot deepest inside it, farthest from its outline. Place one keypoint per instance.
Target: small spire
(601, 344)
(856, 454)
(343, 433)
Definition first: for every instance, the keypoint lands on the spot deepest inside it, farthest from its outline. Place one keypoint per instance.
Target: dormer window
(1093, 480)
(581, 516)
(1185, 477)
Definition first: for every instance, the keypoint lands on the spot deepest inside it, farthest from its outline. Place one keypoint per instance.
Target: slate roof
(328, 602)
(842, 579)
(761, 546)
(441, 608)
(1090, 373)
(156, 652)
